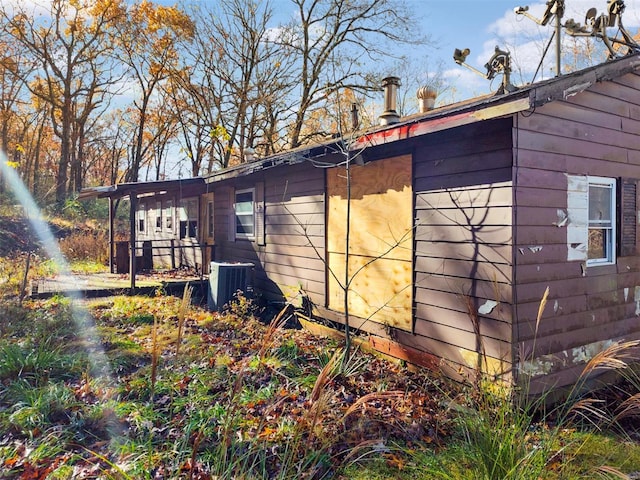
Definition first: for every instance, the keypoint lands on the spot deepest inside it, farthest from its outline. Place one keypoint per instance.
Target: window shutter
(628, 221)
(259, 207)
(232, 215)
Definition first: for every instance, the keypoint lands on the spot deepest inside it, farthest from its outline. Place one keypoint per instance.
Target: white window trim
(611, 183)
(210, 219)
(252, 213)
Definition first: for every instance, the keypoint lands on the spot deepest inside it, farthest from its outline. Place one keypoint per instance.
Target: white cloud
(463, 83)
(35, 8)
(526, 40)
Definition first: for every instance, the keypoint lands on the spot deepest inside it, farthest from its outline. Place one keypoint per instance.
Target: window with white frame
(168, 215)
(189, 218)
(141, 217)
(158, 216)
(601, 248)
(244, 213)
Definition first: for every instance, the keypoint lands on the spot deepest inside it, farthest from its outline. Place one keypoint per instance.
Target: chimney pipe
(426, 98)
(355, 121)
(390, 115)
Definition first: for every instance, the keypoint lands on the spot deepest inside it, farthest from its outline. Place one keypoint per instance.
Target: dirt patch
(16, 236)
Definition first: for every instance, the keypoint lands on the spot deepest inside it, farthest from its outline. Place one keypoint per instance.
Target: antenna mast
(555, 8)
(500, 62)
(599, 25)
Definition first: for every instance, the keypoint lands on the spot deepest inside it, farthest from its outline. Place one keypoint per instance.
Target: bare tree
(238, 83)
(106, 150)
(331, 38)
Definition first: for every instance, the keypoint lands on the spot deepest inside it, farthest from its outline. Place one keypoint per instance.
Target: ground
(155, 387)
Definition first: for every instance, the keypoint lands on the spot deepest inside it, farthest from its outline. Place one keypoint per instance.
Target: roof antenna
(599, 26)
(500, 62)
(555, 8)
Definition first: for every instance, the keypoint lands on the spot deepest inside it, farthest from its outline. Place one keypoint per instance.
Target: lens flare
(84, 322)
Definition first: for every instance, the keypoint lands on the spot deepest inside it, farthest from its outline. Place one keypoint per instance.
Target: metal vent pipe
(390, 115)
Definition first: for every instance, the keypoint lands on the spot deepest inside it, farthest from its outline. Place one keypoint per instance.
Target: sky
(480, 25)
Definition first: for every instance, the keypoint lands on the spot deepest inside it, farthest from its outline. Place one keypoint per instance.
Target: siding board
(466, 217)
(601, 103)
(592, 133)
(468, 197)
(294, 200)
(486, 252)
(492, 327)
(464, 268)
(569, 146)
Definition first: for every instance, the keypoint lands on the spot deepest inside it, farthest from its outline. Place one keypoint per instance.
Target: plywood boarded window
(381, 241)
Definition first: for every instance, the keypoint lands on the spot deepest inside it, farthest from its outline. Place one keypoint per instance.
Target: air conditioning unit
(225, 279)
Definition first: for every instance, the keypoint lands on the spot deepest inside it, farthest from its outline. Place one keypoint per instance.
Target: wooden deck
(106, 284)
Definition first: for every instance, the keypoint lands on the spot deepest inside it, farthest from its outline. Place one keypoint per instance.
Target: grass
(201, 395)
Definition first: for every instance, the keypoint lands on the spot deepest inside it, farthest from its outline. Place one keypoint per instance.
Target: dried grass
(182, 314)
(82, 245)
(372, 397)
(614, 357)
(606, 472)
(628, 408)
(276, 324)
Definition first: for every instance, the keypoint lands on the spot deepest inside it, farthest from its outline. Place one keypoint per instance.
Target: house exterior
(170, 224)
(458, 219)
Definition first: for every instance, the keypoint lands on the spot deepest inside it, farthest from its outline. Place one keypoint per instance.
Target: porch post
(133, 201)
(111, 215)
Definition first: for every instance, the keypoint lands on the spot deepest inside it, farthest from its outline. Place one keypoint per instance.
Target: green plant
(39, 408)
(37, 364)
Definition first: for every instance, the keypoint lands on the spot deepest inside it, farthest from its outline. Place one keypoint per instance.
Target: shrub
(83, 245)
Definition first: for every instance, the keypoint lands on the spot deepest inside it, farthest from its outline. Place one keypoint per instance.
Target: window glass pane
(169, 215)
(600, 204)
(244, 224)
(244, 202)
(602, 214)
(246, 207)
(244, 213)
(193, 228)
(244, 197)
(158, 215)
(597, 243)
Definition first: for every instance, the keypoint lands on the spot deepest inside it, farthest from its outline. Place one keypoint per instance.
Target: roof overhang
(526, 98)
(187, 187)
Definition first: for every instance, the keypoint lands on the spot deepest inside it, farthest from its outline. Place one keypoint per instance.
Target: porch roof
(194, 186)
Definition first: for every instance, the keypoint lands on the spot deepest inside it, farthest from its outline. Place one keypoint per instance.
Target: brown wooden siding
(293, 256)
(592, 133)
(463, 252)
